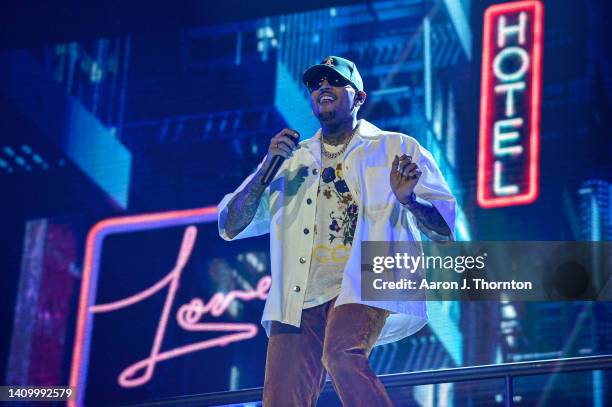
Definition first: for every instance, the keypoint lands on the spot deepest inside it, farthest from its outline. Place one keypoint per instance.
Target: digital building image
(122, 134)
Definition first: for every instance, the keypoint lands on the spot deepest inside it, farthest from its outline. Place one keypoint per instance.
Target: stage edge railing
(505, 371)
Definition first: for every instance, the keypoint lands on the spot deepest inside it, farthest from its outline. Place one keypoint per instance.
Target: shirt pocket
(378, 194)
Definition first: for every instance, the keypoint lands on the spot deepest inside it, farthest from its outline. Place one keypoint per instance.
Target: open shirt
(288, 207)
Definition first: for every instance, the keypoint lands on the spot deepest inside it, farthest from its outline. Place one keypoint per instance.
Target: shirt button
(309, 201)
(306, 231)
(302, 260)
(296, 288)
(315, 171)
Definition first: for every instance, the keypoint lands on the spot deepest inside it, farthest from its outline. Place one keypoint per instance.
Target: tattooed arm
(428, 216)
(243, 206)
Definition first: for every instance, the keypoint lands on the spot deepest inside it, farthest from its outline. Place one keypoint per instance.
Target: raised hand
(243, 206)
(283, 143)
(403, 177)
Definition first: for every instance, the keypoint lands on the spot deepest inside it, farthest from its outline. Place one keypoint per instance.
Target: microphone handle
(277, 161)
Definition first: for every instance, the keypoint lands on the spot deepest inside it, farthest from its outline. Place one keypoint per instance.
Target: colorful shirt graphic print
(342, 221)
(334, 230)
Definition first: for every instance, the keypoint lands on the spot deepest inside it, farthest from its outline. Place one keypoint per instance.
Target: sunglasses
(333, 80)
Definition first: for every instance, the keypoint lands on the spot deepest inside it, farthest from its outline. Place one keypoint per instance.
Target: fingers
(404, 166)
(288, 132)
(407, 168)
(405, 158)
(283, 143)
(278, 148)
(287, 141)
(287, 136)
(394, 168)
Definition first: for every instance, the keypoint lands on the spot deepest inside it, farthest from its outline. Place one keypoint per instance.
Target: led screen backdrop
(116, 151)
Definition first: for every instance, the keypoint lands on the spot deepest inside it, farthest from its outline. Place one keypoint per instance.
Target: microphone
(272, 169)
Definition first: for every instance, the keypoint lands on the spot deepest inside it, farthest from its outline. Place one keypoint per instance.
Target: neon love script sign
(509, 139)
(188, 316)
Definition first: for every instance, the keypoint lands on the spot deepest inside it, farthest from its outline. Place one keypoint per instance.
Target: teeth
(327, 98)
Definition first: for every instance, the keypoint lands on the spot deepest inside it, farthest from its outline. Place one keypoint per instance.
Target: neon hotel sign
(508, 152)
(189, 316)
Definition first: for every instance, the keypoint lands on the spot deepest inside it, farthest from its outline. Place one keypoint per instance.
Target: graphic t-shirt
(335, 222)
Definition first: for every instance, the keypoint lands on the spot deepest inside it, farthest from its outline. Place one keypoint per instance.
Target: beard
(326, 116)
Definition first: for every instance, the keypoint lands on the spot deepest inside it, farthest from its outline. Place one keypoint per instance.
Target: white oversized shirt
(284, 213)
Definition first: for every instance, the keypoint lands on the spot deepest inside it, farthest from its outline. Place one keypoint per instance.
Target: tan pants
(336, 340)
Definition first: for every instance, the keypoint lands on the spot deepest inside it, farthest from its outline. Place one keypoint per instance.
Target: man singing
(350, 182)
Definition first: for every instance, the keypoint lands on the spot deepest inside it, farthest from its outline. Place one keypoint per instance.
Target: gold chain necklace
(331, 156)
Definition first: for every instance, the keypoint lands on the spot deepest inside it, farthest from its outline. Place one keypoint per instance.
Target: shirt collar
(366, 131)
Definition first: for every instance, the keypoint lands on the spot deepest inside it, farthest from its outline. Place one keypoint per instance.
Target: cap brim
(318, 69)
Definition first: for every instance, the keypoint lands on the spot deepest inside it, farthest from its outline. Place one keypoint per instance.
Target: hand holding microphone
(281, 148)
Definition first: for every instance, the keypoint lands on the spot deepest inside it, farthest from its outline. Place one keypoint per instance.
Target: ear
(360, 98)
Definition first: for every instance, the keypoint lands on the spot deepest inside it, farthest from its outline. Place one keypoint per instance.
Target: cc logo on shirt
(325, 254)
